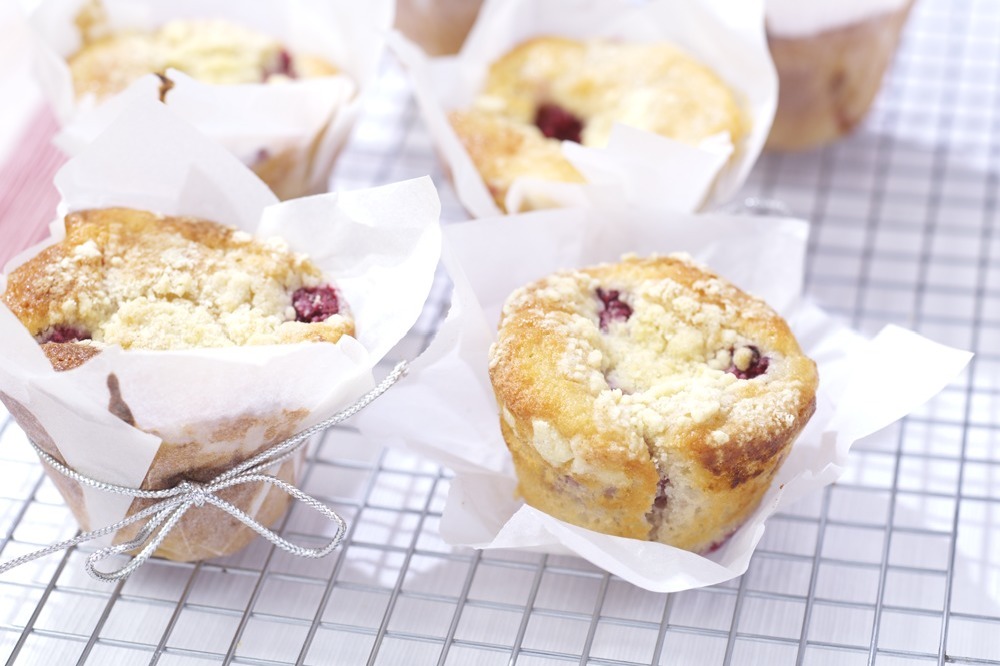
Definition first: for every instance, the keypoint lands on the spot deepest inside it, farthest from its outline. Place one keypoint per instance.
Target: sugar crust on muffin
(146, 281)
(550, 89)
(649, 399)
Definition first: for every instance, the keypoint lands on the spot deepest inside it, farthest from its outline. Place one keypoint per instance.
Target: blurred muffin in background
(277, 82)
(210, 50)
(438, 26)
(831, 59)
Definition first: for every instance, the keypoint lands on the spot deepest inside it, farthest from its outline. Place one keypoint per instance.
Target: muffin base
(203, 532)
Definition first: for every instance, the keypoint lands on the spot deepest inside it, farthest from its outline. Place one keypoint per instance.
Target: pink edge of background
(28, 160)
(28, 198)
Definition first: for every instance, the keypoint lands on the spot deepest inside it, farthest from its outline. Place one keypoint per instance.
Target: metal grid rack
(898, 563)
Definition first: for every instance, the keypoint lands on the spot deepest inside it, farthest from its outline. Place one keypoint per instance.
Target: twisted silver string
(759, 206)
(159, 519)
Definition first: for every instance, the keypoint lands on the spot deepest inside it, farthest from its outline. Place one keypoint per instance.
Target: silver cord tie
(761, 207)
(162, 517)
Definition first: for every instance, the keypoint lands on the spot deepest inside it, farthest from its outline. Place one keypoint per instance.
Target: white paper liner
(637, 167)
(380, 246)
(447, 411)
(251, 120)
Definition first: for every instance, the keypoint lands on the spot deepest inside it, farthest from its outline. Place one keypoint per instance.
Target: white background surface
(19, 92)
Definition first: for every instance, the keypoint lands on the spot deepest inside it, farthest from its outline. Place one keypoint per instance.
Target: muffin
(553, 89)
(144, 281)
(829, 68)
(213, 51)
(648, 399)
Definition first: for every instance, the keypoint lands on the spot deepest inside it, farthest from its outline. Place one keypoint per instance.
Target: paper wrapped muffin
(552, 89)
(831, 59)
(447, 411)
(277, 83)
(195, 337)
(555, 103)
(648, 398)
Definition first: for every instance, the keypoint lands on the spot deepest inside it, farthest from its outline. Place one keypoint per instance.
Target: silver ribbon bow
(163, 516)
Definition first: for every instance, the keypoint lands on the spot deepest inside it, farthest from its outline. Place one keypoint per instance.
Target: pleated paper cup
(152, 419)
(829, 70)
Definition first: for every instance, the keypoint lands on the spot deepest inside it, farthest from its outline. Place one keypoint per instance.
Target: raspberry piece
(716, 545)
(63, 333)
(614, 308)
(661, 499)
(558, 123)
(313, 304)
(748, 363)
(285, 64)
(282, 65)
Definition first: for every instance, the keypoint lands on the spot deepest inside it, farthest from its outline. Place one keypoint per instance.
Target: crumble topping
(551, 89)
(677, 361)
(141, 280)
(210, 50)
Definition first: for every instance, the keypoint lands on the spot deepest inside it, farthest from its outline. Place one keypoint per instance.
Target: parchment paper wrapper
(200, 412)
(637, 166)
(290, 133)
(830, 77)
(447, 411)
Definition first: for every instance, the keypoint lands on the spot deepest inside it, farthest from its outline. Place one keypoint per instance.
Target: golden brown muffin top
(550, 89)
(210, 50)
(147, 281)
(652, 86)
(646, 352)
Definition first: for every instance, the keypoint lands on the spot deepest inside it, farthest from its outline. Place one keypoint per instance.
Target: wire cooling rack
(898, 563)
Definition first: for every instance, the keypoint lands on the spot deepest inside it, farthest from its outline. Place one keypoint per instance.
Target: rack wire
(898, 563)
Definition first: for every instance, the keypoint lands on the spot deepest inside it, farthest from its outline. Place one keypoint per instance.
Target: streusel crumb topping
(141, 280)
(550, 89)
(210, 50)
(680, 358)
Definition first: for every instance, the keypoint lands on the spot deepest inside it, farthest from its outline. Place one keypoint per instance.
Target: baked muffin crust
(550, 89)
(141, 280)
